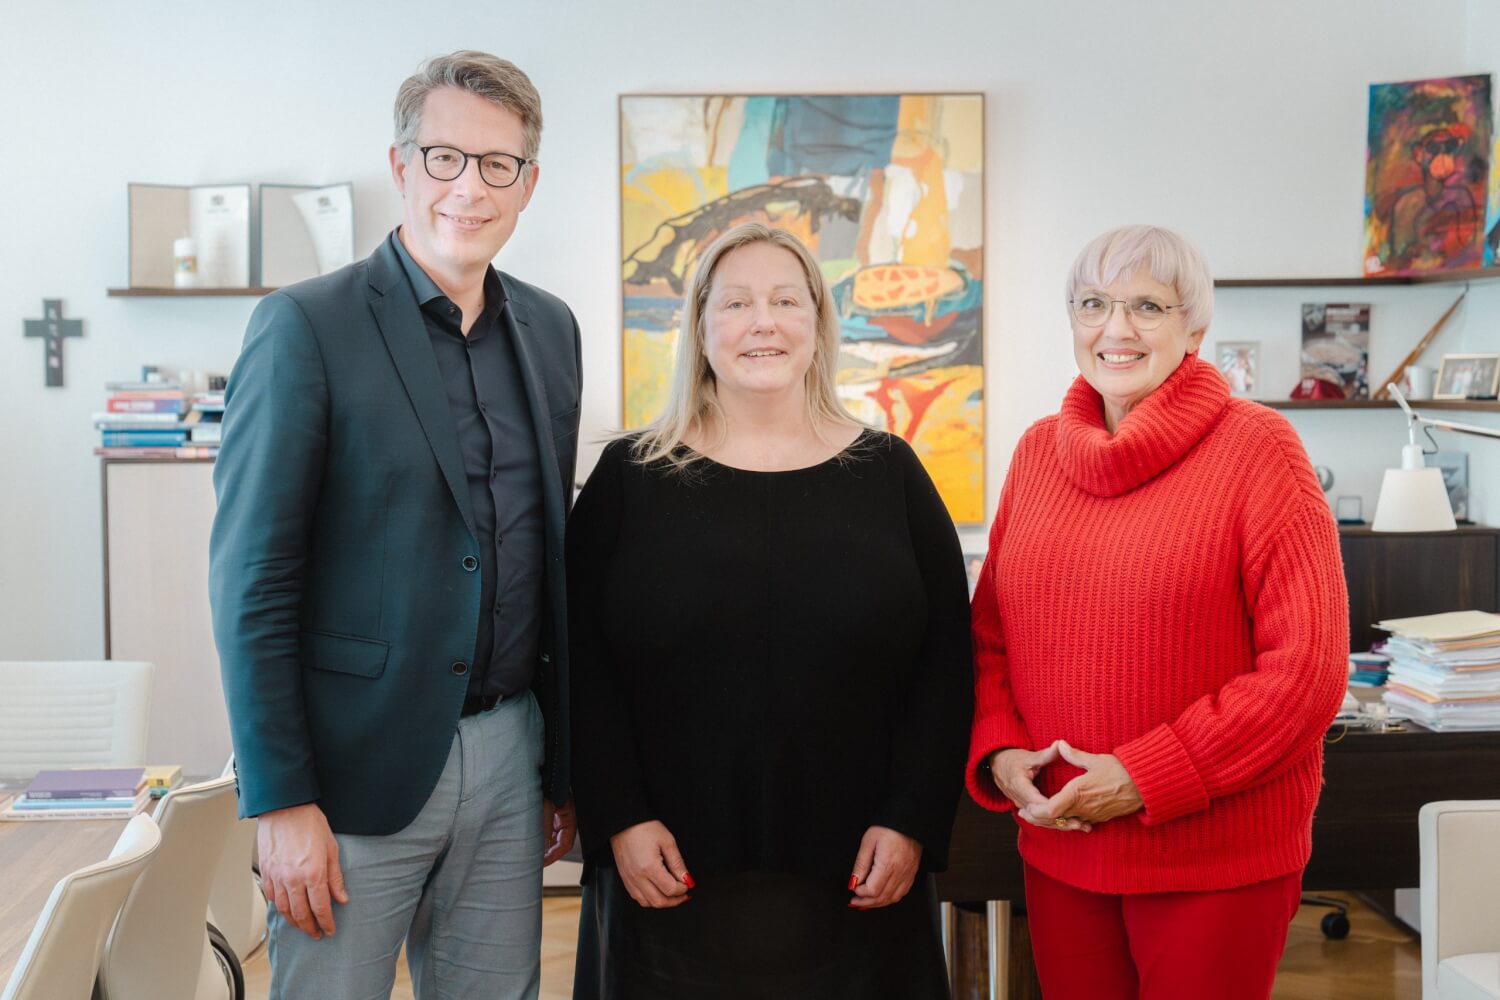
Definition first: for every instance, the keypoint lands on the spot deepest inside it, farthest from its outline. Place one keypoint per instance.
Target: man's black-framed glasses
(446, 163)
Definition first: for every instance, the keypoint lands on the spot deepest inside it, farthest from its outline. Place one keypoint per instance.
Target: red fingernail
(853, 882)
(687, 880)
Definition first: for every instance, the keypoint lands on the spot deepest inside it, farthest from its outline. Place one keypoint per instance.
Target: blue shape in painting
(843, 136)
(747, 164)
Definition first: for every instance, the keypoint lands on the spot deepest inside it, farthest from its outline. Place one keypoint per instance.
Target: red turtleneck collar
(1161, 429)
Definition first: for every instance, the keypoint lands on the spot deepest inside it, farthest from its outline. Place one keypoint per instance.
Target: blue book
(110, 803)
(144, 439)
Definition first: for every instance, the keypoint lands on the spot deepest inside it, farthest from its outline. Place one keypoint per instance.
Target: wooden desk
(1364, 829)
(33, 856)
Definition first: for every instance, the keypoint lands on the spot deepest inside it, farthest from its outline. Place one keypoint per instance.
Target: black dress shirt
(496, 438)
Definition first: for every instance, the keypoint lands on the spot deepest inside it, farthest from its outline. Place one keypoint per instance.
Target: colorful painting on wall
(887, 191)
(1426, 175)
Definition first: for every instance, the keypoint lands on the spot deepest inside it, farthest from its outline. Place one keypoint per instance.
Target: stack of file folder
(1445, 669)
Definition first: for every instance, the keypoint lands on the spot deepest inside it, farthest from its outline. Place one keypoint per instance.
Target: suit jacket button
(470, 563)
(460, 667)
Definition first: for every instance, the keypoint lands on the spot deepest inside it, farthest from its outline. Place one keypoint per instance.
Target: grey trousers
(461, 885)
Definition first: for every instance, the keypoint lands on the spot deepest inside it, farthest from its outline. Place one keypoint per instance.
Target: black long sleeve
(768, 663)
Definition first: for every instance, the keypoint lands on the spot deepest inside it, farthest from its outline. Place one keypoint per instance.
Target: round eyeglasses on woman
(1093, 309)
(446, 163)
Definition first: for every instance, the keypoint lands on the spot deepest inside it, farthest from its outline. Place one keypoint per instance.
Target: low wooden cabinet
(157, 518)
(1397, 574)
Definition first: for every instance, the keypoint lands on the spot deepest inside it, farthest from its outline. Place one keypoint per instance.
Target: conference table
(33, 856)
(1364, 838)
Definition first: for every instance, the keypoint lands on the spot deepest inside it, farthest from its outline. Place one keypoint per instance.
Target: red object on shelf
(1317, 388)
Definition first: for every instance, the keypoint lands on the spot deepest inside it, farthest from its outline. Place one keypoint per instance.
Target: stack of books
(148, 419)
(204, 421)
(1370, 669)
(162, 778)
(1445, 669)
(107, 793)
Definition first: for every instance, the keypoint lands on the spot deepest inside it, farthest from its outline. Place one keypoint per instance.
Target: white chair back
(1460, 882)
(62, 955)
(72, 714)
(235, 903)
(159, 947)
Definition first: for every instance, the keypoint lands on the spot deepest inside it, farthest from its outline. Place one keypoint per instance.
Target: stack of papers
(107, 793)
(1445, 669)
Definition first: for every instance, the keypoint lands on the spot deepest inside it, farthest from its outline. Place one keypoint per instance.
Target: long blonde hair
(693, 402)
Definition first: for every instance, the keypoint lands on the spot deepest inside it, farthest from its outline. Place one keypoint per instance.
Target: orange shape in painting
(889, 286)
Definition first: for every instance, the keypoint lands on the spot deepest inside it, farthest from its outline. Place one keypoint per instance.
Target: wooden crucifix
(52, 328)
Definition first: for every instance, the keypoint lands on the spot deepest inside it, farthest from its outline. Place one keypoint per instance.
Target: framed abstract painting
(1426, 175)
(887, 190)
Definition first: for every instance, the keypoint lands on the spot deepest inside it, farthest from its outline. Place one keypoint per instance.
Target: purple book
(105, 783)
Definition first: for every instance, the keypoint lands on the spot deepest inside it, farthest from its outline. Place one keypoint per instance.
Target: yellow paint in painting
(951, 443)
(924, 238)
(960, 133)
(1494, 192)
(647, 367)
(916, 126)
(950, 438)
(649, 198)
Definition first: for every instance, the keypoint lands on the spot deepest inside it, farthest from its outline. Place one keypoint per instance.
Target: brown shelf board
(184, 293)
(1472, 405)
(1432, 278)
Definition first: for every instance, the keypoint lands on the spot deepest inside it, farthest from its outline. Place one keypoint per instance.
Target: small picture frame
(1349, 510)
(1468, 376)
(1239, 362)
(973, 563)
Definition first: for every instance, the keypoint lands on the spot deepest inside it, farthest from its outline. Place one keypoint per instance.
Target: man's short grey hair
(497, 80)
(1167, 256)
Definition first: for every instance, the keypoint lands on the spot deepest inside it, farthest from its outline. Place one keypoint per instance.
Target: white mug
(1419, 382)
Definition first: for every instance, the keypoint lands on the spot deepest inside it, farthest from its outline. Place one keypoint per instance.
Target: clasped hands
(656, 877)
(1104, 790)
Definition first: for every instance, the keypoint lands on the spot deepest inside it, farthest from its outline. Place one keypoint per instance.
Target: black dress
(769, 663)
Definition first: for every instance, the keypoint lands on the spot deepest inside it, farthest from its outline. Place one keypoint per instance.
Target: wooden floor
(1376, 962)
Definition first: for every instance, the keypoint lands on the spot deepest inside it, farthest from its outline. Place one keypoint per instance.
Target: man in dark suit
(387, 573)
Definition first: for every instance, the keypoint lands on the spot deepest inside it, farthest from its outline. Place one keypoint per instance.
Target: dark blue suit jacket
(343, 568)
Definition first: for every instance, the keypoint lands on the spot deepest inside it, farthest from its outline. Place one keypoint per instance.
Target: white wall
(1241, 124)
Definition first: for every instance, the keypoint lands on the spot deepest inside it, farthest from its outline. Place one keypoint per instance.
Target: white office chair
(236, 905)
(1460, 885)
(72, 714)
(62, 955)
(161, 947)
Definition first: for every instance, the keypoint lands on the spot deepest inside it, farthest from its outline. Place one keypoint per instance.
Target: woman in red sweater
(1160, 631)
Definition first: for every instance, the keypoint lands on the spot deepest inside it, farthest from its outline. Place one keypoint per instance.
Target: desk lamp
(1413, 497)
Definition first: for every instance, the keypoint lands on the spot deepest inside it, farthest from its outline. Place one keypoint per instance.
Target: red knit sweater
(1173, 595)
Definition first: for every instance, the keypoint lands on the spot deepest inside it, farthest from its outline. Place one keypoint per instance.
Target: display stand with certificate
(215, 217)
(304, 231)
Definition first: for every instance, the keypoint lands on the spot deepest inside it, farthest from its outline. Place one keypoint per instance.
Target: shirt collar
(426, 290)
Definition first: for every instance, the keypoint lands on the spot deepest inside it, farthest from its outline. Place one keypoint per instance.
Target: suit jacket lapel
(400, 321)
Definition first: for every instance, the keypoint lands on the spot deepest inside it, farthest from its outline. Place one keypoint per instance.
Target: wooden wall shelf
(1434, 278)
(1472, 405)
(186, 293)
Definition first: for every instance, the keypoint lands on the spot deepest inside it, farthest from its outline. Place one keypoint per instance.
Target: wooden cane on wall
(1384, 392)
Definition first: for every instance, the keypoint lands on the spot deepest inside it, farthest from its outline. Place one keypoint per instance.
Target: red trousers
(1159, 946)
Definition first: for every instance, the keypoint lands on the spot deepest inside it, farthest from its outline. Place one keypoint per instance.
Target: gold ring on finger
(1061, 822)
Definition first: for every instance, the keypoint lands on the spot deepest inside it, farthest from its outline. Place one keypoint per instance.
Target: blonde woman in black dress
(772, 678)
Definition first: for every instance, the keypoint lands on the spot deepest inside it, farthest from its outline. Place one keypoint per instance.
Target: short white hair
(1167, 256)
